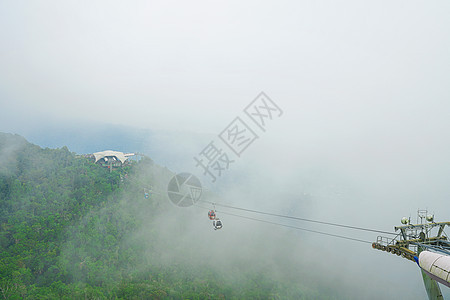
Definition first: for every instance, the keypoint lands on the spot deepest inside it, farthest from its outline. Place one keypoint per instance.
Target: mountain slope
(71, 229)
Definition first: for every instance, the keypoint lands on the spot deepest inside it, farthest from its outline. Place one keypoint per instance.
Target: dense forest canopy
(71, 229)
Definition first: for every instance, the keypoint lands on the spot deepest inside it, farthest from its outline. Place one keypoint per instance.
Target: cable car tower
(425, 236)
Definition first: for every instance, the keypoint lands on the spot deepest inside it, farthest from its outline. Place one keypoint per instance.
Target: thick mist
(368, 177)
(363, 139)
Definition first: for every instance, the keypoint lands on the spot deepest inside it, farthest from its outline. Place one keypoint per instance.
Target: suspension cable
(290, 226)
(298, 218)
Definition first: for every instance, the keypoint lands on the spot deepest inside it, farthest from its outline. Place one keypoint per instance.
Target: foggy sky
(363, 86)
(194, 64)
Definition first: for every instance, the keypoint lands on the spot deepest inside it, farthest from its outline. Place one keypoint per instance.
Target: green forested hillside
(65, 234)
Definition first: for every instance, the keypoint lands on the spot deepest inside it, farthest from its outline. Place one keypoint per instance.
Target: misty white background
(364, 86)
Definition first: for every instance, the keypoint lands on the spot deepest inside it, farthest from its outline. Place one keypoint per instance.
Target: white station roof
(109, 153)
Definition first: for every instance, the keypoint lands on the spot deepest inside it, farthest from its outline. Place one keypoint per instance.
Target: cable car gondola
(212, 214)
(217, 224)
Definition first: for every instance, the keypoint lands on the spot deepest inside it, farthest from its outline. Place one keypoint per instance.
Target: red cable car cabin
(211, 215)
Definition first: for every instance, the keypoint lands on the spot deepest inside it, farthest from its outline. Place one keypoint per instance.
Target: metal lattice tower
(412, 239)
